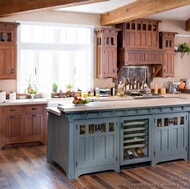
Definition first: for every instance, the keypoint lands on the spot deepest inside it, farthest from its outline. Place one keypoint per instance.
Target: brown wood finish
(8, 50)
(23, 124)
(139, 33)
(166, 42)
(188, 25)
(139, 9)
(106, 52)
(20, 6)
(27, 167)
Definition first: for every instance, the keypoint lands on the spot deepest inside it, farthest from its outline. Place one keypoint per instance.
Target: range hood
(141, 56)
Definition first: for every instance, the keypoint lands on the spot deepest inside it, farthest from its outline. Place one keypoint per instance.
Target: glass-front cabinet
(96, 142)
(135, 139)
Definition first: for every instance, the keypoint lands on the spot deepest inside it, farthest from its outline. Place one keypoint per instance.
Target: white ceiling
(182, 13)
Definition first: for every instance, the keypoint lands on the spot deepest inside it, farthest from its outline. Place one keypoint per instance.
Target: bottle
(140, 152)
(156, 88)
(130, 154)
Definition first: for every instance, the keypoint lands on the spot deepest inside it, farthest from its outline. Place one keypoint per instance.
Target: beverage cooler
(135, 139)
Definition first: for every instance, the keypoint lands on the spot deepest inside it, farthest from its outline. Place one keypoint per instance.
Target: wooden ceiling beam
(188, 25)
(10, 7)
(140, 9)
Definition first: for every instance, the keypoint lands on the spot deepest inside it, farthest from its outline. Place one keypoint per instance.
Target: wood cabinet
(170, 137)
(166, 42)
(34, 123)
(23, 123)
(96, 143)
(8, 50)
(139, 33)
(106, 52)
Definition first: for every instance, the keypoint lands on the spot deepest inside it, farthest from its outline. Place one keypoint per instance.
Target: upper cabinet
(138, 44)
(166, 42)
(140, 33)
(106, 52)
(8, 50)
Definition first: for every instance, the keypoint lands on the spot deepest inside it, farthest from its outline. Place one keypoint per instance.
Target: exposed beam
(188, 25)
(140, 9)
(9, 7)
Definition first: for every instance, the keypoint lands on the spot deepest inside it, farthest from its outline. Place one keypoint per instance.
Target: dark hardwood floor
(27, 168)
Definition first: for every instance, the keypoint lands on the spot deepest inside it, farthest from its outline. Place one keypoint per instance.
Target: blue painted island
(115, 132)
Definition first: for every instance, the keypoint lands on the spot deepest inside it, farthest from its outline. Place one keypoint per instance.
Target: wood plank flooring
(27, 168)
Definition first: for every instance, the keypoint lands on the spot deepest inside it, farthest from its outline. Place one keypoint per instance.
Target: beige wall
(182, 65)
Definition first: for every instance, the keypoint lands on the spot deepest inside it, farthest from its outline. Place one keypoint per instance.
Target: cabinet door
(13, 130)
(86, 143)
(168, 69)
(110, 62)
(7, 63)
(179, 134)
(163, 135)
(34, 127)
(170, 134)
(107, 141)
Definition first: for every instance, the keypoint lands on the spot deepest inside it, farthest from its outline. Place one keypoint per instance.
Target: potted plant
(54, 87)
(29, 88)
(69, 87)
(184, 47)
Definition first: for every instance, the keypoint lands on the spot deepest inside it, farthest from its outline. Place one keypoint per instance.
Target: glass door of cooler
(135, 139)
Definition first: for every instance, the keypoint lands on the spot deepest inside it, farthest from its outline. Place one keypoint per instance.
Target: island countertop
(111, 103)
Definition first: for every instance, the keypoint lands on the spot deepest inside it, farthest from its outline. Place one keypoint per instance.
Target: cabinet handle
(12, 110)
(12, 71)
(34, 108)
(34, 115)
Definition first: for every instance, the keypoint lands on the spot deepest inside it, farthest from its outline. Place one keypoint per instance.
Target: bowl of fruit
(32, 93)
(80, 101)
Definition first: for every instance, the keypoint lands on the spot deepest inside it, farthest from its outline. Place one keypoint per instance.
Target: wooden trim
(21, 6)
(140, 9)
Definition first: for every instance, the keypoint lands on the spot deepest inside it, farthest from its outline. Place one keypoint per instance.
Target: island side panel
(60, 143)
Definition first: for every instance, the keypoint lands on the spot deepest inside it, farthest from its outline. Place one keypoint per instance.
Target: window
(58, 53)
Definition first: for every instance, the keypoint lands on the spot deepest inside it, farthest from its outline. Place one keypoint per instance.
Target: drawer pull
(34, 108)
(12, 110)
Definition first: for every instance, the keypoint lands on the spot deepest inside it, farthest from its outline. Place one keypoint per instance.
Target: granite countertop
(24, 102)
(111, 103)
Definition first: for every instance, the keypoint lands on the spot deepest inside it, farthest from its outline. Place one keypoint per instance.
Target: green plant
(54, 87)
(184, 47)
(69, 86)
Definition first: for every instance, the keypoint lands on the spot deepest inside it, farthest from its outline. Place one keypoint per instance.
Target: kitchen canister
(12, 96)
(2, 96)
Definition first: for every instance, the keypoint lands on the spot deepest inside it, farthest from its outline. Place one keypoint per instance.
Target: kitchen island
(99, 136)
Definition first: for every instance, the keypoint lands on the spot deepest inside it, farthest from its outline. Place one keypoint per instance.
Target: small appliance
(104, 92)
(12, 96)
(173, 87)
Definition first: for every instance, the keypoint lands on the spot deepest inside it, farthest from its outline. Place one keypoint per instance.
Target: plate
(80, 104)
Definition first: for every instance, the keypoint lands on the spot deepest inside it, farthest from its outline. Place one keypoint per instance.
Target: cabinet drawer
(34, 109)
(12, 109)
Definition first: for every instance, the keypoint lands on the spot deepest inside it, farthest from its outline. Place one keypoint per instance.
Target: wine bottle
(130, 153)
(140, 152)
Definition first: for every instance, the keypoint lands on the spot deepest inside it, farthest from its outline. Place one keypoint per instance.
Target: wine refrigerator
(135, 139)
